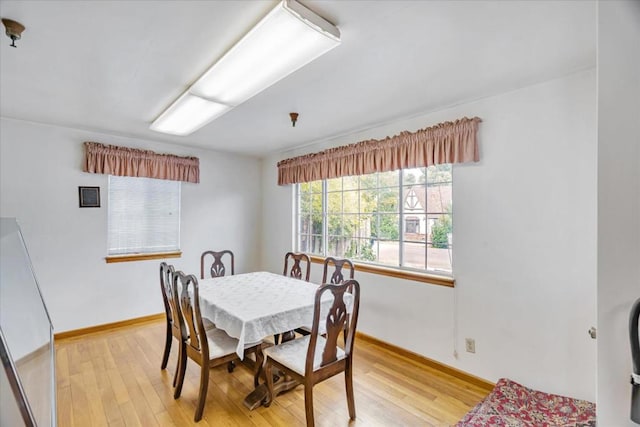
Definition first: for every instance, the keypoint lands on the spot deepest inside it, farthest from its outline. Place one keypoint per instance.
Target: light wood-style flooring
(113, 378)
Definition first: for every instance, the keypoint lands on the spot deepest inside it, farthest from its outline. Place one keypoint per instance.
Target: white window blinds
(144, 215)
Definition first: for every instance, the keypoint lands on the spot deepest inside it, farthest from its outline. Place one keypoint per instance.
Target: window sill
(142, 257)
(432, 279)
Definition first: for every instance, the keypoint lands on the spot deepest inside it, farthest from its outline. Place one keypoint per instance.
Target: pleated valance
(448, 142)
(124, 161)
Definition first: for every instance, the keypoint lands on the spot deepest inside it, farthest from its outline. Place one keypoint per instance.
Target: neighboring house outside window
(143, 215)
(400, 219)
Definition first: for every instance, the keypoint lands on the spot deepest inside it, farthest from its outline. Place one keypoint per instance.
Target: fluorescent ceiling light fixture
(188, 114)
(288, 38)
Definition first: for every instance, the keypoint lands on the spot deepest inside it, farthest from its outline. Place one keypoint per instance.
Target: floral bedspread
(513, 405)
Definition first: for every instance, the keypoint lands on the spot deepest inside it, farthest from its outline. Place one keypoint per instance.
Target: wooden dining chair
(314, 358)
(173, 329)
(336, 277)
(217, 267)
(301, 265)
(207, 347)
(171, 313)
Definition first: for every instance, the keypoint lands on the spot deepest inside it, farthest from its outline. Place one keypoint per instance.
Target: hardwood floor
(113, 378)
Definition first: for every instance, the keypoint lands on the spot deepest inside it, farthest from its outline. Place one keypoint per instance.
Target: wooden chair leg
(177, 373)
(308, 404)
(182, 354)
(180, 371)
(269, 379)
(202, 395)
(348, 380)
(167, 347)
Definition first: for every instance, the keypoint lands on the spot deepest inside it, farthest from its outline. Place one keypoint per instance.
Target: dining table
(252, 306)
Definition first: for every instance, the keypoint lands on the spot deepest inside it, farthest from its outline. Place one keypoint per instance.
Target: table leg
(281, 383)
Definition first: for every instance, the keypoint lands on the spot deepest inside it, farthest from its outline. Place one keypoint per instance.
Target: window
(398, 219)
(413, 225)
(143, 215)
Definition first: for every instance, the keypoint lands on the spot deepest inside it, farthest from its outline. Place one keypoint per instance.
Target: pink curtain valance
(124, 161)
(448, 142)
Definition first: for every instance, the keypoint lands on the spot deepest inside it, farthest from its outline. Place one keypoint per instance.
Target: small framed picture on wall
(89, 197)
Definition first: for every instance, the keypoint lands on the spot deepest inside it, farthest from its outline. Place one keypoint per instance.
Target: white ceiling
(113, 66)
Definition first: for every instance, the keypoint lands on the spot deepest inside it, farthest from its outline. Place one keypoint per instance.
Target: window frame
(442, 278)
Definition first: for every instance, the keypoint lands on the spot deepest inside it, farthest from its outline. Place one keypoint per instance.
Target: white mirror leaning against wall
(27, 380)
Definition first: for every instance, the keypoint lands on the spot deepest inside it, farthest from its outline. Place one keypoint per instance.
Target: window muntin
(399, 219)
(143, 215)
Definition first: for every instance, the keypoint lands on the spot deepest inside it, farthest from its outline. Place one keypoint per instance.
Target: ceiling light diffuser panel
(288, 38)
(188, 114)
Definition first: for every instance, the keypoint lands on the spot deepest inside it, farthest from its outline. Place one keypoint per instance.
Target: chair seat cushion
(220, 344)
(293, 354)
(208, 324)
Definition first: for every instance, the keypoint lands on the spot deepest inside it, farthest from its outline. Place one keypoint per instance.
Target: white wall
(40, 171)
(618, 202)
(525, 243)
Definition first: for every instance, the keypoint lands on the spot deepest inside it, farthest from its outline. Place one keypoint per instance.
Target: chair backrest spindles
(217, 268)
(167, 273)
(340, 264)
(189, 306)
(297, 268)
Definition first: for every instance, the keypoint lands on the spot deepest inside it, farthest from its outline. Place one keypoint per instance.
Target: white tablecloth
(253, 306)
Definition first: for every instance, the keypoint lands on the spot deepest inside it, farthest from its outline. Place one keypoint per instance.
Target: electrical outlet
(470, 345)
